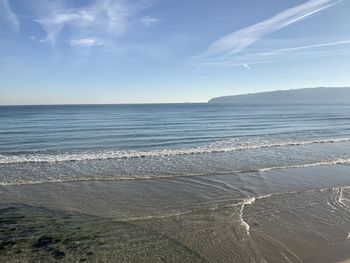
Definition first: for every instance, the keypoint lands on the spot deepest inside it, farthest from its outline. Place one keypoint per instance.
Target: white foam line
(153, 177)
(334, 162)
(188, 212)
(290, 193)
(106, 155)
(340, 199)
(248, 201)
(265, 196)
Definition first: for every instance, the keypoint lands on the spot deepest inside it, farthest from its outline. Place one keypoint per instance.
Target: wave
(220, 147)
(306, 165)
(167, 176)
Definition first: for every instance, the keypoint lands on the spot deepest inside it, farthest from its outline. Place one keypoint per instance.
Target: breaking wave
(220, 147)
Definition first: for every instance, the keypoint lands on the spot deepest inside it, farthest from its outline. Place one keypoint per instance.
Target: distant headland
(306, 95)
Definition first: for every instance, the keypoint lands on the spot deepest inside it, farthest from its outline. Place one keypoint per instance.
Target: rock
(43, 241)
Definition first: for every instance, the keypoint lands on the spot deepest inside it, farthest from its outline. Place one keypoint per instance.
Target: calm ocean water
(89, 142)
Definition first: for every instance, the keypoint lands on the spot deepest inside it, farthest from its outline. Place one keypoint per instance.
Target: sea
(199, 182)
(109, 142)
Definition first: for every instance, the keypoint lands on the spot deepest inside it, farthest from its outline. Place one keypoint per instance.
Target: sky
(161, 51)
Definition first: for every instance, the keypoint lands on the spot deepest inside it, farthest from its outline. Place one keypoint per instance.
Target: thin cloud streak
(235, 42)
(280, 55)
(85, 42)
(282, 50)
(246, 66)
(231, 64)
(9, 16)
(149, 21)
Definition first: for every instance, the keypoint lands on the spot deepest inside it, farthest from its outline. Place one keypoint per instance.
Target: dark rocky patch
(43, 241)
(58, 254)
(6, 243)
(37, 234)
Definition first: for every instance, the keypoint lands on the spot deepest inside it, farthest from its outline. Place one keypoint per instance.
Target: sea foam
(237, 144)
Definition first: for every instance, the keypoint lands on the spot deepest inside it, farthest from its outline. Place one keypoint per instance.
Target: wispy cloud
(321, 45)
(101, 19)
(233, 43)
(149, 21)
(299, 52)
(85, 42)
(54, 24)
(246, 66)
(8, 16)
(283, 54)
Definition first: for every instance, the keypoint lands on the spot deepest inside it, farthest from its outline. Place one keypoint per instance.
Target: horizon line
(164, 103)
(92, 104)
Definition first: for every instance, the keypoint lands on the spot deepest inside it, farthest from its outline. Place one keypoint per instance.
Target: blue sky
(144, 51)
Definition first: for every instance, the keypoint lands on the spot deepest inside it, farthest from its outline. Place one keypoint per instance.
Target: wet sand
(292, 215)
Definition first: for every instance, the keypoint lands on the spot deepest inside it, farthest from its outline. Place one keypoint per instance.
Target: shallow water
(33, 234)
(291, 215)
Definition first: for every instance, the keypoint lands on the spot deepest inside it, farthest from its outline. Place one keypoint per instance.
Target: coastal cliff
(306, 95)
